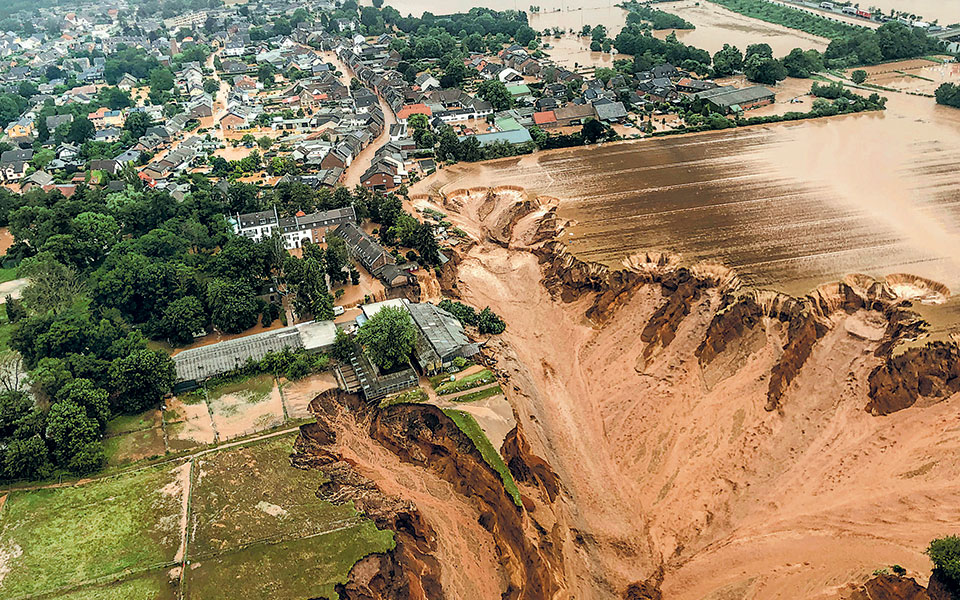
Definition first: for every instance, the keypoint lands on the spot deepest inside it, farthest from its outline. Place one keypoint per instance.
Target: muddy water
(946, 11)
(566, 14)
(789, 206)
(573, 52)
(716, 26)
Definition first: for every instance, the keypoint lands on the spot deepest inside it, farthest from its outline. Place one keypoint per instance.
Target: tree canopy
(388, 337)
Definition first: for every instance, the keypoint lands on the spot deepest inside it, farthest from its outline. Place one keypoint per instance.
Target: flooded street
(716, 26)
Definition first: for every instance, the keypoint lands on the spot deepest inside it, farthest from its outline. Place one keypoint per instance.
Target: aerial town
(379, 300)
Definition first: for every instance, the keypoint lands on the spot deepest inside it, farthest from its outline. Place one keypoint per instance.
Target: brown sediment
(432, 450)
(767, 478)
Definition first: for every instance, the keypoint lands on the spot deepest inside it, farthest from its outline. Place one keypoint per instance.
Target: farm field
(243, 518)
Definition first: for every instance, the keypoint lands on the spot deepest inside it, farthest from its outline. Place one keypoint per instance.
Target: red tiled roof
(546, 116)
(414, 109)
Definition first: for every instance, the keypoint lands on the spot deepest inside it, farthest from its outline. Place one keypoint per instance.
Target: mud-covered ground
(709, 440)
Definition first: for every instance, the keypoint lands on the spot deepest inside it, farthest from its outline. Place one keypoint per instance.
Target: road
(363, 160)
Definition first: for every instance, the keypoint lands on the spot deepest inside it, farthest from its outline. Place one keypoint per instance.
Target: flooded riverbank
(716, 26)
(565, 14)
(789, 206)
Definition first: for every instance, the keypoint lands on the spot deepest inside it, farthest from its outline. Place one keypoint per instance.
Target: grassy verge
(8, 274)
(483, 377)
(789, 17)
(469, 426)
(414, 396)
(479, 395)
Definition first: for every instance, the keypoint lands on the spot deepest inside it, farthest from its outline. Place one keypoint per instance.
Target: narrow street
(363, 160)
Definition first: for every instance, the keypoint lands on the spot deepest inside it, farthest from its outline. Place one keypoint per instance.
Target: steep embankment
(711, 439)
(411, 469)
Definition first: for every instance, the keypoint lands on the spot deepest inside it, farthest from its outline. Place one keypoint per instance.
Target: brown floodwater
(566, 14)
(789, 206)
(716, 26)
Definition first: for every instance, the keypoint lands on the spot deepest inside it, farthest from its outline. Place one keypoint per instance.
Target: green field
(256, 530)
(8, 274)
(480, 394)
(468, 382)
(252, 493)
(62, 537)
(153, 586)
(302, 568)
(469, 426)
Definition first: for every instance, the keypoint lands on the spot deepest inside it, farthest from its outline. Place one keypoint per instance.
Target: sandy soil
(298, 394)
(6, 240)
(732, 500)
(242, 413)
(188, 425)
(493, 414)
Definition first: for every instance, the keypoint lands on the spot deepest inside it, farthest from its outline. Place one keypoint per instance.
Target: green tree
(141, 378)
(137, 124)
(592, 131)
(86, 395)
(161, 80)
(182, 318)
(762, 69)
(80, 130)
(69, 429)
(495, 92)
(233, 307)
(388, 337)
(802, 64)
(945, 554)
(858, 76)
(27, 459)
(90, 458)
(342, 346)
(727, 61)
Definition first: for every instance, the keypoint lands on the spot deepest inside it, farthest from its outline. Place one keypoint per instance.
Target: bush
(858, 76)
(945, 554)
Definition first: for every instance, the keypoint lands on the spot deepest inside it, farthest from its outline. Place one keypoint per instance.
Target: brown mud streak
(421, 435)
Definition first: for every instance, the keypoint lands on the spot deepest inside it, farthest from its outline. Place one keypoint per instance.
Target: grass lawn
(414, 396)
(8, 275)
(252, 493)
(58, 537)
(129, 423)
(304, 568)
(152, 586)
(479, 395)
(252, 390)
(469, 382)
(469, 426)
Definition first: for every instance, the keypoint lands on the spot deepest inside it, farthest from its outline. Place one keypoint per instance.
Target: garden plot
(298, 394)
(245, 407)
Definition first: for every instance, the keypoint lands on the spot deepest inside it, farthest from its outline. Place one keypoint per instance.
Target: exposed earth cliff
(679, 436)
